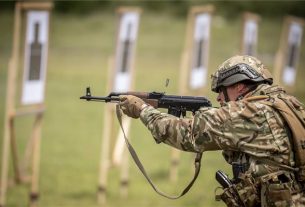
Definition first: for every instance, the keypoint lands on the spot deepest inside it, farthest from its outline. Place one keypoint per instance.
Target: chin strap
(141, 167)
(251, 88)
(225, 93)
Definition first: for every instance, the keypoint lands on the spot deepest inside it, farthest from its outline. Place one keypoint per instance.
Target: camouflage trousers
(278, 189)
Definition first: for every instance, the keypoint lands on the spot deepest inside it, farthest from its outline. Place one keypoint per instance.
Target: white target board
(199, 64)
(35, 57)
(250, 34)
(292, 53)
(127, 35)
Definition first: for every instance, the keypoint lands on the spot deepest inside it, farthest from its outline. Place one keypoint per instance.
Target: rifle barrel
(102, 99)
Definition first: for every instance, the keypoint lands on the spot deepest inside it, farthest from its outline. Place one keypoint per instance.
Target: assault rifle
(176, 105)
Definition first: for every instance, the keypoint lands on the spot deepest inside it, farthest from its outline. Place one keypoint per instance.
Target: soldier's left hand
(131, 105)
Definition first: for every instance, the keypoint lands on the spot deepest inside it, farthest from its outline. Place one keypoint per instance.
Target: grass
(72, 129)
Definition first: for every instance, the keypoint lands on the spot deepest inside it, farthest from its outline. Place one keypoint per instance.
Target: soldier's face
(233, 92)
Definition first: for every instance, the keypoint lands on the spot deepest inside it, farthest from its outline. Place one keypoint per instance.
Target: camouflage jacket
(246, 131)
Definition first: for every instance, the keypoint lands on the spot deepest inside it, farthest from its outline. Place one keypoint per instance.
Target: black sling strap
(141, 168)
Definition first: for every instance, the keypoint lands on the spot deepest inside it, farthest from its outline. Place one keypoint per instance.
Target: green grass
(72, 129)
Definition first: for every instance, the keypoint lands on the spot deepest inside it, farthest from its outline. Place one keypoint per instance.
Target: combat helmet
(240, 68)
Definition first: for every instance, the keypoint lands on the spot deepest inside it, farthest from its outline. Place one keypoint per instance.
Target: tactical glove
(131, 105)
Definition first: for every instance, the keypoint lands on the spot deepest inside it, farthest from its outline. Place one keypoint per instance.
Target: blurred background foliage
(179, 8)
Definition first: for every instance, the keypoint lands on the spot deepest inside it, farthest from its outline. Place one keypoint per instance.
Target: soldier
(259, 128)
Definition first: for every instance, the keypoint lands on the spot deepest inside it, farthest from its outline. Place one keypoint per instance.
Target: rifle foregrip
(142, 95)
(146, 97)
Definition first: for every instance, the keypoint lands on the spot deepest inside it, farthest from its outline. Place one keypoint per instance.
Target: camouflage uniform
(250, 134)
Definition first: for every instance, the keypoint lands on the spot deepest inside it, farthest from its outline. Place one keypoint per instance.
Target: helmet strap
(225, 93)
(251, 88)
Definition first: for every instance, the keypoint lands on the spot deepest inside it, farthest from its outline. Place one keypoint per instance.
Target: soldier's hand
(131, 105)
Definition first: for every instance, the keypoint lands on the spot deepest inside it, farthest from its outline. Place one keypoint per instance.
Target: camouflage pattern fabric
(246, 131)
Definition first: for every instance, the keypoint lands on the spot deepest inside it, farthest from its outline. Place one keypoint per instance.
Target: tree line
(178, 7)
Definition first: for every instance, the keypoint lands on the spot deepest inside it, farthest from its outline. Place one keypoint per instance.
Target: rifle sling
(141, 167)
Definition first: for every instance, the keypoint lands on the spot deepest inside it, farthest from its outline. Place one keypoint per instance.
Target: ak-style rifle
(176, 105)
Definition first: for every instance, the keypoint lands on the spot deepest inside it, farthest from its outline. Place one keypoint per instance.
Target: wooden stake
(118, 152)
(124, 174)
(105, 157)
(34, 195)
(105, 145)
(10, 103)
(18, 177)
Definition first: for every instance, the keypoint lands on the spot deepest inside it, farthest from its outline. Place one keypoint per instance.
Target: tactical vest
(294, 114)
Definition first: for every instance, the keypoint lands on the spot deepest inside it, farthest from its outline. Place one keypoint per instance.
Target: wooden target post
(287, 58)
(121, 79)
(249, 34)
(194, 65)
(36, 26)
